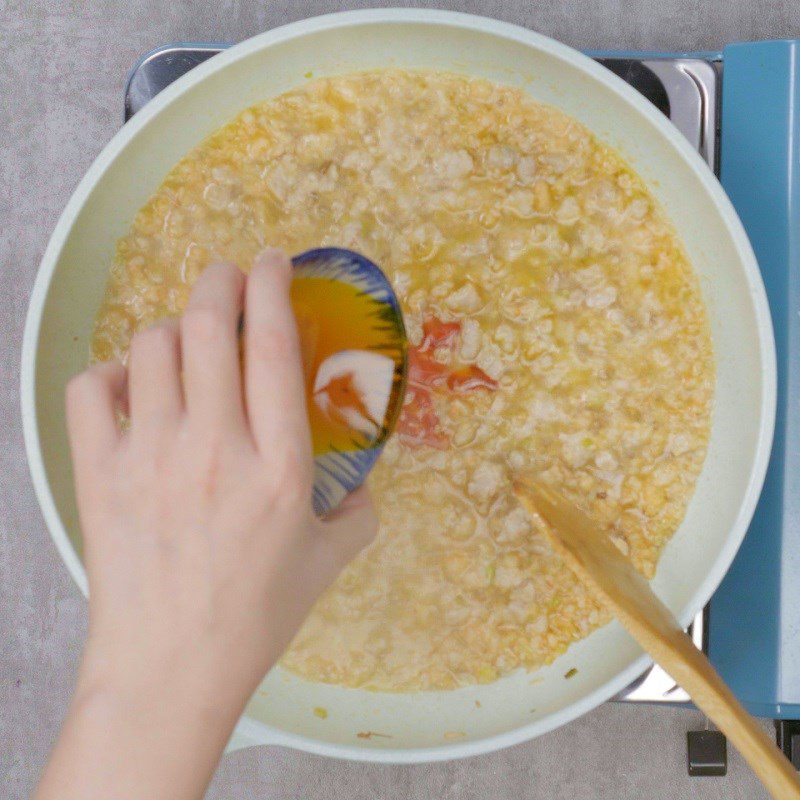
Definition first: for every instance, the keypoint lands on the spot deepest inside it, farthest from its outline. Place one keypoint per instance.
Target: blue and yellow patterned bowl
(355, 360)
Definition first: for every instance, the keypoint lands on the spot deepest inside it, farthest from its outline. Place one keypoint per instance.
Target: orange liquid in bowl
(332, 317)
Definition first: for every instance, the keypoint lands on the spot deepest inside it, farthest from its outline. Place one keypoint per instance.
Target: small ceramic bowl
(355, 360)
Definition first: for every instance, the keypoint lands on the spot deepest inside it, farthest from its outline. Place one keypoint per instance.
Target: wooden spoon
(602, 567)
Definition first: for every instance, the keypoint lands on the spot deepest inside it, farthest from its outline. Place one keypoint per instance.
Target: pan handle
(249, 734)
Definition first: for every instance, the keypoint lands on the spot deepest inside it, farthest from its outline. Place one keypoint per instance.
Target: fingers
(352, 526)
(274, 384)
(93, 400)
(210, 350)
(154, 366)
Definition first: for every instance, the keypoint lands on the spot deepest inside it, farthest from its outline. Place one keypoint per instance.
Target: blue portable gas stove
(741, 109)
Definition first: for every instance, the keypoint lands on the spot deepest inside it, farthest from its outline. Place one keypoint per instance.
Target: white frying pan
(431, 725)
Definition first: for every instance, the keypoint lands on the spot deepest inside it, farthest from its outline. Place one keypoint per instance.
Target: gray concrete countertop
(62, 67)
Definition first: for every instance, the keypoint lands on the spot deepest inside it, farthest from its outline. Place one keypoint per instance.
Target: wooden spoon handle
(600, 565)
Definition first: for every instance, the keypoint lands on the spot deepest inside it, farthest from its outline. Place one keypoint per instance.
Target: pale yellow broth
(573, 294)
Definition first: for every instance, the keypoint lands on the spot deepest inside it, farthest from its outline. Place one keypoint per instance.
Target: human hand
(202, 552)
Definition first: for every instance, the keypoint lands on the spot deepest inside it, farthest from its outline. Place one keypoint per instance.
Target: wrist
(158, 692)
(144, 736)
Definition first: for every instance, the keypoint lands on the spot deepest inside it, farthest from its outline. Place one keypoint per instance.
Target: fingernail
(272, 257)
(222, 265)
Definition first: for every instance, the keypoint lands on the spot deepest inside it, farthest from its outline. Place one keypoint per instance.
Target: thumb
(351, 526)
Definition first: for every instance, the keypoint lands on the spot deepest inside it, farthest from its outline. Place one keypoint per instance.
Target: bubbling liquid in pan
(555, 324)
